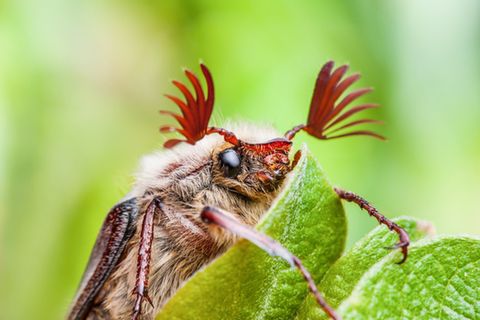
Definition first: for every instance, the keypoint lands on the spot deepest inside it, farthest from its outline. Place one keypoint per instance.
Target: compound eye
(230, 160)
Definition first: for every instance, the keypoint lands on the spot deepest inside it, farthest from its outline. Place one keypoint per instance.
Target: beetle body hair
(185, 180)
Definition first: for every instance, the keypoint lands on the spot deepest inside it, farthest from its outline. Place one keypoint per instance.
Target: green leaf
(340, 280)
(440, 280)
(246, 283)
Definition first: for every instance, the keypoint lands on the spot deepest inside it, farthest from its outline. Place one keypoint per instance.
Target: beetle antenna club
(196, 111)
(326, 116)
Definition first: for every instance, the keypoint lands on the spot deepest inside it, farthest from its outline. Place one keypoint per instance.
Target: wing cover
(117, 229)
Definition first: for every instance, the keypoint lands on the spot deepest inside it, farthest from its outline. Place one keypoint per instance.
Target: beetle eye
(230, 160)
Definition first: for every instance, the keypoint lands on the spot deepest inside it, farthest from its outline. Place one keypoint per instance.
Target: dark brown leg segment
(144, 257)
(363, 204)
(215, 216)
(296, 158)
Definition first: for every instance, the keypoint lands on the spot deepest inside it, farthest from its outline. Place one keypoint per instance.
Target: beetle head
(252, 167)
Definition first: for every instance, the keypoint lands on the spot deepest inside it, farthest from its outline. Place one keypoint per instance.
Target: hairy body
(185, 181)
(155, 239)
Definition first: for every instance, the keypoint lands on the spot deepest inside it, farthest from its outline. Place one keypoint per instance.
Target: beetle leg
(215, 216)
(296, 158)
(363, 204)
(144, 258)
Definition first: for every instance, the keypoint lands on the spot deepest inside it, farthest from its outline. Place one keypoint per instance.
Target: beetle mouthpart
(275, 159)
(278, 164)
(265, 177)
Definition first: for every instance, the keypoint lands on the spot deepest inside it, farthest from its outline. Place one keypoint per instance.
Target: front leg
(215, 216)
(363, 204)
(144, 257)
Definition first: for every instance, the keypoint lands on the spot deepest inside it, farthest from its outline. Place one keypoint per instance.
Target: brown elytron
(191, 202)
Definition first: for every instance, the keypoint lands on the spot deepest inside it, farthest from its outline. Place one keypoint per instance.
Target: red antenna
(196, 111)
(326, 116)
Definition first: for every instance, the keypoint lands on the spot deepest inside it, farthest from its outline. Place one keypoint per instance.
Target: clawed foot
(372, 211)
(402, 245)
(137, 310)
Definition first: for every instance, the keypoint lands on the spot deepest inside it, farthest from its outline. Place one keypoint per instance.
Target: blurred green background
(81, 83)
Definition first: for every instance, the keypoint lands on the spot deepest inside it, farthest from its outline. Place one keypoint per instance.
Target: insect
(192, 201)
